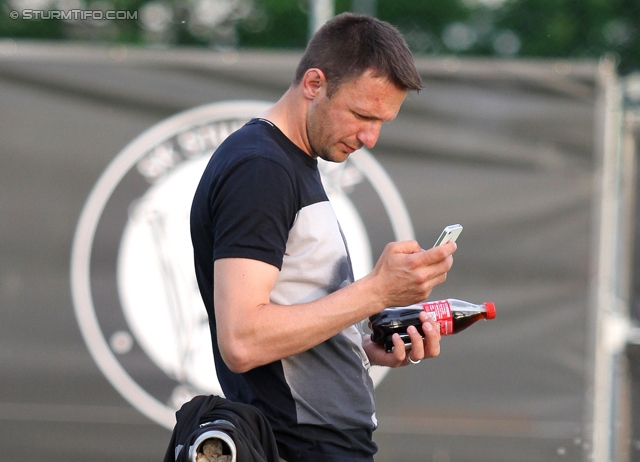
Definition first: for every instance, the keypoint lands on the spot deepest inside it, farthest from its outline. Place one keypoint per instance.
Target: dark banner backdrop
(507, 148)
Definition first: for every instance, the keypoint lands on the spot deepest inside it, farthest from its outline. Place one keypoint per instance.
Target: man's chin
(336, 156)
(333, 154)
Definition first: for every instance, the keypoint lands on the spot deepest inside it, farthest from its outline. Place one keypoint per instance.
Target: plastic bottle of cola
(452, 316)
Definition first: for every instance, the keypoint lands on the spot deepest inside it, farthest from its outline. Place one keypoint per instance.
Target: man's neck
(289, 115)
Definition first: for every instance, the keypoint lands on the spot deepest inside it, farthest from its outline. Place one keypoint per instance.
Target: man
(272, 263)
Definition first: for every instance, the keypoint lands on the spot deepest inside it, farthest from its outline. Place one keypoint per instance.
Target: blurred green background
(573, 29)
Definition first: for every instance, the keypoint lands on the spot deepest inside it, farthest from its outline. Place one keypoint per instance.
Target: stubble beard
(319, 147)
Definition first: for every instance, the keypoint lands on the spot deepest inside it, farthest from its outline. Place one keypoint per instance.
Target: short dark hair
(350, 44)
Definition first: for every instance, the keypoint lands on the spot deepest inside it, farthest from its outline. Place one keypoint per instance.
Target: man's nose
(369, 134)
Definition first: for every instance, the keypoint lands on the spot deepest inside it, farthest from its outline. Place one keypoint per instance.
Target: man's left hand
(429, 347)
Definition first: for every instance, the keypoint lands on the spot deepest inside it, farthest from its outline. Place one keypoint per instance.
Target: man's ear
(313, 82)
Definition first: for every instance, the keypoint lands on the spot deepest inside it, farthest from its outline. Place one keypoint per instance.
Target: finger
(424, 317)
(410, 246)
(402, 247)
(449, 247)
(433, 274)
(437, 254)
(417, 343)
(431, 338)
(399, 351)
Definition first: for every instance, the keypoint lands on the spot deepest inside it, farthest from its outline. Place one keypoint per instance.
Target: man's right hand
(406, 274)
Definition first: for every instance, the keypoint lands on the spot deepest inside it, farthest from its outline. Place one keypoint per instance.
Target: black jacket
(244, 424)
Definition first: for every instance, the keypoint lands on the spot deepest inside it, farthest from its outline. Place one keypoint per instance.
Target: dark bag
(245, 431)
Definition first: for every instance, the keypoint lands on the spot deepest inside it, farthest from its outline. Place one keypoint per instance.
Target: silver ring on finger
(411, 361)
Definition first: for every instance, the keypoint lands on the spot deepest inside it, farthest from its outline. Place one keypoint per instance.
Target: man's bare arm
(253, 332)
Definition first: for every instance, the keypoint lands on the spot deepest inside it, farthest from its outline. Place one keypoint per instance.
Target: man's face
(352, 117)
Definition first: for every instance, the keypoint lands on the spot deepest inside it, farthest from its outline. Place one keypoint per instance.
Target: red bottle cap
(491, 310)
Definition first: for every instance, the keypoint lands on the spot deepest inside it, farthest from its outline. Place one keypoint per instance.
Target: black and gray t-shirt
(261, 197)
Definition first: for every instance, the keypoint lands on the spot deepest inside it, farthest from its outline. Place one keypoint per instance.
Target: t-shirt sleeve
(252, 212)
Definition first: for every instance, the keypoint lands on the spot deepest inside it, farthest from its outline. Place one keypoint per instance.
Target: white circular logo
(132, 278)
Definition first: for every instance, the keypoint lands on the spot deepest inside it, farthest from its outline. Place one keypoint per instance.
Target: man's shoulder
(254, 140)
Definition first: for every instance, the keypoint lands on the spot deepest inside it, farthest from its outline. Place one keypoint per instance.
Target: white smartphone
(449, 234)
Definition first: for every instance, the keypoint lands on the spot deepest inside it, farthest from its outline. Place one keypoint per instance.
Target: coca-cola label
(440, 312)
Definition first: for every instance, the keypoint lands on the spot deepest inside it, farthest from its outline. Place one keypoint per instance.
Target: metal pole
(320, 11)
(610, 308)
(630, 440)
(367, 7)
